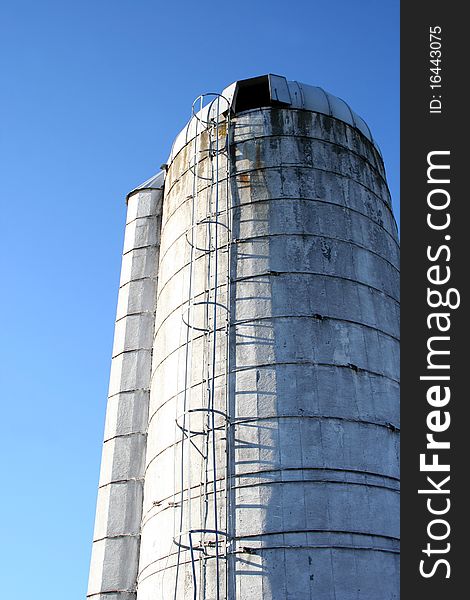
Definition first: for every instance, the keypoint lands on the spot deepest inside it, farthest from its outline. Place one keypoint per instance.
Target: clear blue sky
(93, 94)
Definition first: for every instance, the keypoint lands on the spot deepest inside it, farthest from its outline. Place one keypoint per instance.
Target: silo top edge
(156, 182)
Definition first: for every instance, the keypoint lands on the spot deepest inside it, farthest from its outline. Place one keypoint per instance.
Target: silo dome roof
(281, 92)
(270, 90)
(156, 182)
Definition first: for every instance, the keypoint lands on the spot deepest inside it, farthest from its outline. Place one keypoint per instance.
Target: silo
(116, 539)
(271, 463)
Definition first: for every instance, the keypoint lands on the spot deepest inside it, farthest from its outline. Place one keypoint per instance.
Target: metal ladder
(209, 540)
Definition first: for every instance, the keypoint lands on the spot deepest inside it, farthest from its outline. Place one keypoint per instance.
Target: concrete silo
(251, 446)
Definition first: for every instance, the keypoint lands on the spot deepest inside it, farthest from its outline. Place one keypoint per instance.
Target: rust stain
(258, 161)
(222, 129)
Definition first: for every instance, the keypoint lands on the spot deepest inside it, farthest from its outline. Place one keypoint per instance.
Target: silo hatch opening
(263, 91)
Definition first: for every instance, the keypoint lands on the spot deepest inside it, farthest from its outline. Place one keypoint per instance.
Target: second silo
(271, 467)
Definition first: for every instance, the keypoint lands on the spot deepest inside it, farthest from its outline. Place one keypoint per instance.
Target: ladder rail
(188, 369)
(209, 510)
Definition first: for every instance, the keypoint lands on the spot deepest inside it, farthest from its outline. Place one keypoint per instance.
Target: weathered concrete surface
(116, 539)
(313, 469)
